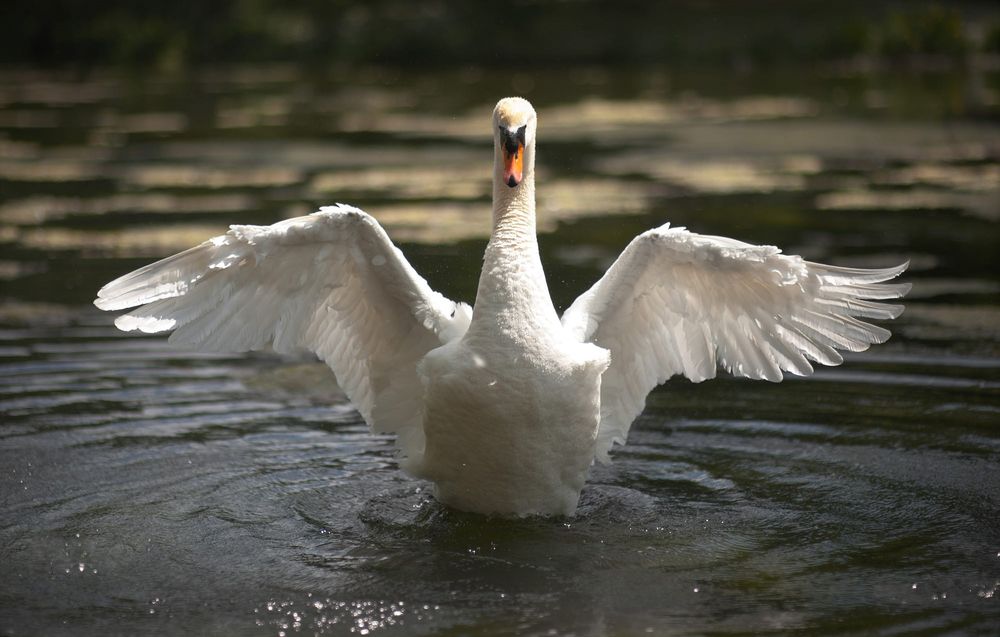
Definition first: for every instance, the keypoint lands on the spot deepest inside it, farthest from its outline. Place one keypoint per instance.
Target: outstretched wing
(331, 283)
(676, 302)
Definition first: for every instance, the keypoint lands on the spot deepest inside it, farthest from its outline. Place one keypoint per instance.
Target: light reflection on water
(147, 490)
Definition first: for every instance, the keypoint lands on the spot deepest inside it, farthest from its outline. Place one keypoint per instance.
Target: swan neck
(514, 211)
(513, 296)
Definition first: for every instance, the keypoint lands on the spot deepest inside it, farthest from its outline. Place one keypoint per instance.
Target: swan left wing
(331, 283)
(676, 302)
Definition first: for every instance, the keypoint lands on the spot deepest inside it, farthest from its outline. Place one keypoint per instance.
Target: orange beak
(513, 166)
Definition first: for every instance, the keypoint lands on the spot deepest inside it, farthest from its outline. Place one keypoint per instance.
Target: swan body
(504, 406)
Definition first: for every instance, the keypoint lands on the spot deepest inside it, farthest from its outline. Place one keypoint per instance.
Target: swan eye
(513, 140)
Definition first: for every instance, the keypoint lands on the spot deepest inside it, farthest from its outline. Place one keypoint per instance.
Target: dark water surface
(145, 490)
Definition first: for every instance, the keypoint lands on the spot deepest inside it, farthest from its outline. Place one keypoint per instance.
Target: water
(146, 490)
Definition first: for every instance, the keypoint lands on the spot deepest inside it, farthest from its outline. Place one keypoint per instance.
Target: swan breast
(508, 431)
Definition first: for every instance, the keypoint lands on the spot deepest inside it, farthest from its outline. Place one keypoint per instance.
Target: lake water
(145, 490)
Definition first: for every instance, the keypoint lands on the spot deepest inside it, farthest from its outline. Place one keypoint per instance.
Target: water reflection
(233, 494)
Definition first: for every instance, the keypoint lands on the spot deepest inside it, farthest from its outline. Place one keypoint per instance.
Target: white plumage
(505, 406)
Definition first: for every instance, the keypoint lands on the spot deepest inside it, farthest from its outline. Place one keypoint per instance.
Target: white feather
(676, 302)
(330, 283)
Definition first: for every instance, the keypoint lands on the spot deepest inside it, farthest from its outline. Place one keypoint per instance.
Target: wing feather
(676, 302)
(330, 283)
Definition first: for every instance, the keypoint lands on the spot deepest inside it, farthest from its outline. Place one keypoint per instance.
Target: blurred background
(145, 35)
(148, 490)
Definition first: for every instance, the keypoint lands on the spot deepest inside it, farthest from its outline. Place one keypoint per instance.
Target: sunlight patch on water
(471, 126)
(40, 209)
(131, 123)
(250, 75)
(272, 110)
(719, 176)
(50, 171)
(974, 177)
(34, 313)
(323, 156)
(28, 87)
(594, 115)
(152, 241)
(416, 181)
(10, 270)
(858, 143)
(433, 222)
(564, 199)
(11, 149)
(186, 176)
(986, 205)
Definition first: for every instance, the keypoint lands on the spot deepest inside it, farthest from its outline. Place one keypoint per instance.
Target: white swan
(505, 406)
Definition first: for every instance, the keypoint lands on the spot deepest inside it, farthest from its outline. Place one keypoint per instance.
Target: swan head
(514, 123)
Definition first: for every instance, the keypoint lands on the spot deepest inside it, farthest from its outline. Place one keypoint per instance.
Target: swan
(504, 406)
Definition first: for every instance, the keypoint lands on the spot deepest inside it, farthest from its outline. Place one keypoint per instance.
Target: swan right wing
(676, 302)
(331, 283)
